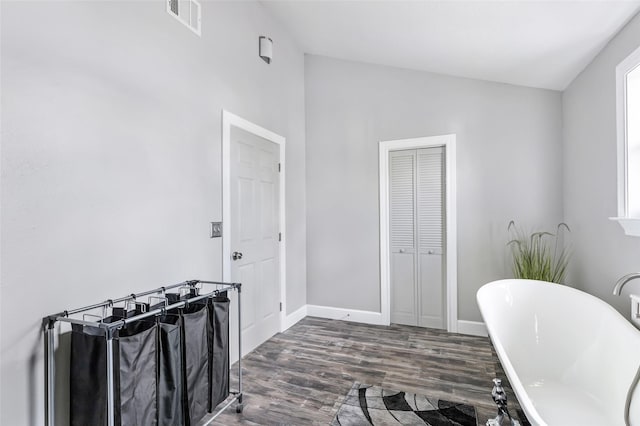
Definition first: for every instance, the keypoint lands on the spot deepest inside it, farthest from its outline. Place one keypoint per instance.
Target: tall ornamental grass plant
(540, 255)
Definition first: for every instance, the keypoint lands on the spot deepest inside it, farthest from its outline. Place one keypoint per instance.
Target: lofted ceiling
(540, 43)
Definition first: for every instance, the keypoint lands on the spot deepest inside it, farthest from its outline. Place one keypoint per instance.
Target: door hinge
(279, 167)
(279, 236)
(280, 306)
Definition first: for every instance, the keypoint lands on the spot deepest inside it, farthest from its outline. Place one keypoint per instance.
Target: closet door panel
(430, 225)
(430, 197)
(404, 307)
(431, 291)
(403, 303)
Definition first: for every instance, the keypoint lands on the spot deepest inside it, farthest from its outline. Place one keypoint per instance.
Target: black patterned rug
(372, 405)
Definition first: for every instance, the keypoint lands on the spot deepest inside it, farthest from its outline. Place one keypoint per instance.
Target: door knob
(236, 255)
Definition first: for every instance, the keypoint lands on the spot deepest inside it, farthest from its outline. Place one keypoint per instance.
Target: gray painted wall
(602, 253)
(509, 167)
(111, 158)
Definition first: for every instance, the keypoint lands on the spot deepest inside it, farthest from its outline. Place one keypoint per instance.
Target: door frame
(451, 269)
(229, 120)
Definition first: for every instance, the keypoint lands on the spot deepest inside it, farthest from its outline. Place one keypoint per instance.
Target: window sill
(631, 225)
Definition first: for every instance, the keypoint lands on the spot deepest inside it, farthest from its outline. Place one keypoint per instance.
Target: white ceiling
(531, 43)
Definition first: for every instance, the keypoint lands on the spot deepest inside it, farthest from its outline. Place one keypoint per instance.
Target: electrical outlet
(216, 229)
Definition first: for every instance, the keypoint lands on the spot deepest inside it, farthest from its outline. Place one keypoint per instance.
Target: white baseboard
(294, 317)
(366, 317)
(474, 328)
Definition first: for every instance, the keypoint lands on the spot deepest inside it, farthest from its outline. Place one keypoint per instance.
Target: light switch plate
(216, 229)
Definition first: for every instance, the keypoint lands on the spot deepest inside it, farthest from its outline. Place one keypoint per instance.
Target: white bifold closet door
(417, 226)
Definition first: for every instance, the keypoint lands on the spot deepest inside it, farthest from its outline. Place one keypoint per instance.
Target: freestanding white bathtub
(570, 357)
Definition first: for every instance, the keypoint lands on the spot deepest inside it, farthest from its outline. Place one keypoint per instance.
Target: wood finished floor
(300, 377)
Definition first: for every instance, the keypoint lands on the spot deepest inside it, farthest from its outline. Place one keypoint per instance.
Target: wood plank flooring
(300, 377)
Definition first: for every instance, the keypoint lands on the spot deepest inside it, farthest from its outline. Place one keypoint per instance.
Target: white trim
(294, 317)
(630, 225)
(473, 328)
(228, 120)
(449, 142)
(354, 315)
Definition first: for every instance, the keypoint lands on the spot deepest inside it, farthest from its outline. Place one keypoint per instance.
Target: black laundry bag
(135, 355)
(219, 349)
(87, 379)
(170, 371)
(137, 344)
(170, 380)
(195, 349)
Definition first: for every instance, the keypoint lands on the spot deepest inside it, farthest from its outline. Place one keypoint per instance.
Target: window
(628, 125)
(633, 142)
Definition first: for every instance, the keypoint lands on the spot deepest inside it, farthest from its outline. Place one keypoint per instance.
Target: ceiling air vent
(186, 11)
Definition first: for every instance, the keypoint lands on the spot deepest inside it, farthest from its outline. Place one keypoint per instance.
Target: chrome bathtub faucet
(500, 398)
(622, 281)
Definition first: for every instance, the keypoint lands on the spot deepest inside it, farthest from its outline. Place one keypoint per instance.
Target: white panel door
(254, 234)
(416, 196)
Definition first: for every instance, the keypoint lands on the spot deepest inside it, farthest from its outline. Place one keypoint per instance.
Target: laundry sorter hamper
(163, 364)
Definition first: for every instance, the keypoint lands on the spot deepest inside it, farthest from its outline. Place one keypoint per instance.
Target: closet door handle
(236, 255)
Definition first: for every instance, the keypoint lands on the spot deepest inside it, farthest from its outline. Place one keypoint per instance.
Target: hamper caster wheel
(239, 408)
